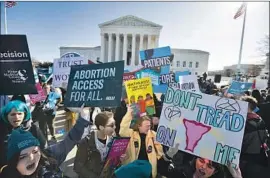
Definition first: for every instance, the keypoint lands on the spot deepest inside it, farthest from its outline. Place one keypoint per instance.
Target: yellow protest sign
(140, 94)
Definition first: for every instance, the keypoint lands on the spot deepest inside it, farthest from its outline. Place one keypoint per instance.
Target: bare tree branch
(263, 48)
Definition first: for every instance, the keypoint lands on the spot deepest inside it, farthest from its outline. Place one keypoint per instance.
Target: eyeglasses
(111, 125)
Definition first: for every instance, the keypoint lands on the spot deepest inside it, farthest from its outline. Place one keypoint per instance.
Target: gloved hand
(172, 151)
(235, 172)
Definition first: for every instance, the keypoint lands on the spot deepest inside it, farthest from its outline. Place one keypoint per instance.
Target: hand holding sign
(84, 112)
(172, 151)
(235, 172)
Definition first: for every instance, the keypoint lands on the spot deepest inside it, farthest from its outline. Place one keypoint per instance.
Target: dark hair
(218, 168)
(247, 93)
(257, 95)
(45, 160)
(252, 102)
(148, 94)
(102, 118)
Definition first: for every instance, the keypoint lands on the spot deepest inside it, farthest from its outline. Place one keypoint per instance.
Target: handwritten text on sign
(207, 126)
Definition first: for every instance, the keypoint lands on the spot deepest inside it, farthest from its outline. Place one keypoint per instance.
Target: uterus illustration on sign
(194, 133)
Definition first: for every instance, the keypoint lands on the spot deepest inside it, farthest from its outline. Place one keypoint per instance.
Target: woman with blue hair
(14, 115)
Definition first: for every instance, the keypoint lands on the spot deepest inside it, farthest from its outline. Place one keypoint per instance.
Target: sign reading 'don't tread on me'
(16, 71)
(96, 85)
(207, 126)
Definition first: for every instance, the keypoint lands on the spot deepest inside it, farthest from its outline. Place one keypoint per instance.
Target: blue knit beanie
(20, 140)
(136, 169)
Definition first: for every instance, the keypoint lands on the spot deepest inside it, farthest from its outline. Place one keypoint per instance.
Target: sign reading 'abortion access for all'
(206, 126)
(96, 85)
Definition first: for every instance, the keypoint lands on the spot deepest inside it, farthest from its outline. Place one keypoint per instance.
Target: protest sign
(239, 87)
(130, 72)
(172, 79)
(140, 94)
(61, 69)
(16, 71)
(206, 126)
(117, 149)
(38, 97)
(156, 62)
(189, 83)
(97, 85)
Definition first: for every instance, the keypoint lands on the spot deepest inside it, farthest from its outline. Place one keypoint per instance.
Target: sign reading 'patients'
(97, 85)
(16, 71)
(206, 126)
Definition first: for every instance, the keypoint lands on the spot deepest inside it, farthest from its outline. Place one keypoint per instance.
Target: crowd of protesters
(26, 153)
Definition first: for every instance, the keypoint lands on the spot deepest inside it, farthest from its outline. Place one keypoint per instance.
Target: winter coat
(134, 146)
(88, 163)
(57, 151)
(253, 161)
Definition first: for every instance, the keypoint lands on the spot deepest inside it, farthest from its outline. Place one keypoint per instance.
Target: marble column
(117, 47)
(125, 48)
(149, 41)
(133, 49)
(102, 51)
(157, 41)
(110, 48)
(141, 41)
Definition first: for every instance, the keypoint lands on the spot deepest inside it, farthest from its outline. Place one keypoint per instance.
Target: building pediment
(129, 21)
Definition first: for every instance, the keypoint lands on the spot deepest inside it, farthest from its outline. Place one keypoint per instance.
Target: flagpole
(5, 16)
(241, 44)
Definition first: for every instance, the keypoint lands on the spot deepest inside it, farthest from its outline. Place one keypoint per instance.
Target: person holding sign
(197, 168)
(27, 159)
(142, 145)
(93, 149)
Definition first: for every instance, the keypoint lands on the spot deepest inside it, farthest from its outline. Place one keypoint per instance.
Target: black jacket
(5, 130)
(264, 112)
(119, 114)
(251, 146)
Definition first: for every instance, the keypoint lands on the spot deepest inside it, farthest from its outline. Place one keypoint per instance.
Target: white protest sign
(189, 83)
(61, 69)
(207, 126)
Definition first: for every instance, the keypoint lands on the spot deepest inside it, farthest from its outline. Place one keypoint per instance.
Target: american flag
(241, 10)
(10, 4)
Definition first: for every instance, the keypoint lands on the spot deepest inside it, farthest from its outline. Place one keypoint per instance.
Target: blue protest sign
(97, 85)
(239, 87)
(156, 62)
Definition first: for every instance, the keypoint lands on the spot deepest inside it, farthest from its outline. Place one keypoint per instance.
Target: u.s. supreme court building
(124, 37)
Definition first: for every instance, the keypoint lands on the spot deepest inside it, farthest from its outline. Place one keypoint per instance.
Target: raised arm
(125, 130)
(60, 150)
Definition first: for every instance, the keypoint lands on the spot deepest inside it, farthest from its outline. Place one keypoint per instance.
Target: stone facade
(124, 37)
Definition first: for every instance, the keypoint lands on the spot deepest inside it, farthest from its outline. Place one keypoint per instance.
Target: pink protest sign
(38, 97)
(117, 149)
